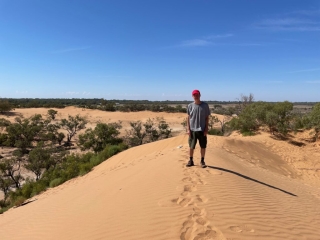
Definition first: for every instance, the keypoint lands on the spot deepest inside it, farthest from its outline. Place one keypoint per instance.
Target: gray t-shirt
(198, 114)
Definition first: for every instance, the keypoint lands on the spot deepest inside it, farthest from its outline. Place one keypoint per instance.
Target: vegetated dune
(253, 188)
(94, 116)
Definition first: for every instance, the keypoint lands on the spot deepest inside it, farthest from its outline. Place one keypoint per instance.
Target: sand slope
(248, 191)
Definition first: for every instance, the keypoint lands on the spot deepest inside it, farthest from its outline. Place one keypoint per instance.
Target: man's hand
(205, 133)
(189, 132)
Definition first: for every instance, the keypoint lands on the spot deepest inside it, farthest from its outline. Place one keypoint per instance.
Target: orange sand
(254, 188)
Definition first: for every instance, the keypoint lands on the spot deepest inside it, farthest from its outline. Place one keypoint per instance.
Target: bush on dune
(72, 166)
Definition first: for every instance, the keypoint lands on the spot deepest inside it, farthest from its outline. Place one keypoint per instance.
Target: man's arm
(207, 121)
(188, 125)
(207, 124)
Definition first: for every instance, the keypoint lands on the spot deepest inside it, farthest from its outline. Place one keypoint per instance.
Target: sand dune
(253, 188)
(94, 116)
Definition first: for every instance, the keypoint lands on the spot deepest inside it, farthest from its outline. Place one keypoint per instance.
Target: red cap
(195, 92)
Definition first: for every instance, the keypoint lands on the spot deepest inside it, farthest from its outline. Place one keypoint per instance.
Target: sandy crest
(248, 191)
(95, 116)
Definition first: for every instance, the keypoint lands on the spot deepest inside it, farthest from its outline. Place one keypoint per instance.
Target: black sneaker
(190, 163)
(203, 164)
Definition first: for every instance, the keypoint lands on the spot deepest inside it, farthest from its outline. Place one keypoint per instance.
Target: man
(197, 125)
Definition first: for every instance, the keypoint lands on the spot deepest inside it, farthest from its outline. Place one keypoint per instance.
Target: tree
(5, 106)
(4, 123)
(23, 132)
(38, 160)
(245, 101)
(136, 134)
(315, 120)
(73, 125)
(149, 131)
(5, 185)
(52, 113)
(212, 120)
(276, 116)
(184, 124)
(102, 135)
(164, 129)
(60, 137)
(10, 168)
(283, 116)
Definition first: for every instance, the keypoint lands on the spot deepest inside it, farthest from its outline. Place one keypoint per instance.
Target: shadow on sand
(11, 114)
(251, 179)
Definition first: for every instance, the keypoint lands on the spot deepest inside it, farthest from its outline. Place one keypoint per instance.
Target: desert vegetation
(39, 146)
(42, 145)
(279, 119)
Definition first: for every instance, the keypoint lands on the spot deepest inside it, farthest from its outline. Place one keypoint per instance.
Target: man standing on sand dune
(197, 125)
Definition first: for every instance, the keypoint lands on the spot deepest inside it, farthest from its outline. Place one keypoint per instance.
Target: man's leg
(203, 153)
(203, 145)
(190, 163)
(192, 144)
(191, 151)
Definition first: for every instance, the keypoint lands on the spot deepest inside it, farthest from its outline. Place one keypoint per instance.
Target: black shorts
(194, 136)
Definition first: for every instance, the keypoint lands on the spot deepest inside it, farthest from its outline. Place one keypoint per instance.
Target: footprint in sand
(187, 179)
(209, 234)
(236, 229)
(188, 223)
(189, 188)
(201, 182)
(200, 175)
(201, 199)
(201, 221)
(197, 210)
(184, 194)
(168, 202)
(239, 229)
(184, 202)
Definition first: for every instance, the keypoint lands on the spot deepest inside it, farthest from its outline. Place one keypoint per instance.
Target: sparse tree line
(220, 107)
(93, 102)
(279, 118)
(100, 104)
(43, 149)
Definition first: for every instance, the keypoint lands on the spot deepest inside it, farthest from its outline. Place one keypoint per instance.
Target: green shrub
(85, 168)
(55, 182)
(39, 187)
(247, 133)
(27, 189)
(71, 166)
(19, 201)
(216, 132)
(3, 203)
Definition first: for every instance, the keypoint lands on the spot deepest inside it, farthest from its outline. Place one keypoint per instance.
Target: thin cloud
(306, 70)
(21, 92)
(218, 36)
(71, 49)
(273, 82)
(248, 44)
(313, 82)
(203, 41)
(288, 24)
(72, 93)
(307, 12)
(195, 43)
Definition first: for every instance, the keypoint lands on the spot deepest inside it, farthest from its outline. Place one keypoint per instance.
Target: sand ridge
(253, 188)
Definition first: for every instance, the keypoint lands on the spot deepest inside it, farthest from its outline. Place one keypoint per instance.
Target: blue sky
(160, 50)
